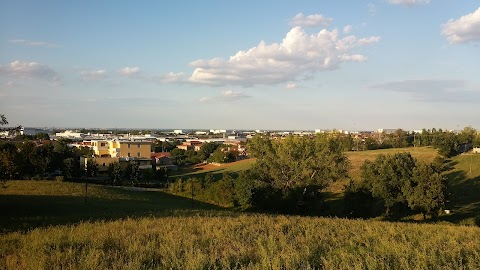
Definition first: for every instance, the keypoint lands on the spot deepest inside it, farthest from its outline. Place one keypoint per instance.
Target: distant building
(70, 134)
(190, 145)
(218, 131)
(386, 131)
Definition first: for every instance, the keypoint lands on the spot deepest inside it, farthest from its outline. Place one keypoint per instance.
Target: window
(128, 145)
(138, 154)
(138, 145)
(128, 154)
(103, 164)
(102, 144)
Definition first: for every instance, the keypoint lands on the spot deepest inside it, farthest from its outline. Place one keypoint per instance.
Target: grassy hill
(28, 204)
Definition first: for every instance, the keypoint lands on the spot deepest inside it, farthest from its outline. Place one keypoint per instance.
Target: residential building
(121, 149)
(190, 145)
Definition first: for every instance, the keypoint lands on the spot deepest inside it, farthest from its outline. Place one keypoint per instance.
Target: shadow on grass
(463, 197)
(25, 212)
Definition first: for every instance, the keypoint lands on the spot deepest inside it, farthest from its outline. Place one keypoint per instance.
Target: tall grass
(244, 242)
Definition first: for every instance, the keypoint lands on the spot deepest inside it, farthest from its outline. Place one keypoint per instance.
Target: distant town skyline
(246, 65)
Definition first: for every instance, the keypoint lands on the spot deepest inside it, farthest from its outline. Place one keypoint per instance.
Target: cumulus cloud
(463, 30)
(226, 96)
(129, 71)
(275, 63)
(28, 70)
(409, 3)
(310, 20)
(440, 90)
(31, 43)
(93, 75)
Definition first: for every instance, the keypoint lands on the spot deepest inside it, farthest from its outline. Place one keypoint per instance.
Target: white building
(70, 134)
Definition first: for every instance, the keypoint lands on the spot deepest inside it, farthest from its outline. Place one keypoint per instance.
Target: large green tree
(298, 166)
(386, 177)
(425, 191)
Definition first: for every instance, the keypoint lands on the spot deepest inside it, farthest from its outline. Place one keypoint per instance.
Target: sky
(250, 64)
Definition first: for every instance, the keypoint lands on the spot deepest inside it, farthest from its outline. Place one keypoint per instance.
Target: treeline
(448, 143)
(33, 159)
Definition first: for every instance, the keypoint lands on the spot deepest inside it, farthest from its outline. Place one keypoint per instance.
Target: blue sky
(303, 65)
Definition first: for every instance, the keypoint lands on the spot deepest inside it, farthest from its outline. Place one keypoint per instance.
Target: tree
(218, 156)
(386, 177)
(115, 172)
(8, 164)
(298, 166)
(244, 190)
(92, 167)
(426, 190)
(132, 172)
(3, 120)
(69, 168)
(207, 149)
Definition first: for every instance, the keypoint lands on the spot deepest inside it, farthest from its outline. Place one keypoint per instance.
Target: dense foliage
(39, 159)
(397, 181)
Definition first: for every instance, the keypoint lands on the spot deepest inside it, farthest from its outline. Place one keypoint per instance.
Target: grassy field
(243, 242)
(356, 160)
(29, 204)
(426, 154)
(215, 170)
(464, 188)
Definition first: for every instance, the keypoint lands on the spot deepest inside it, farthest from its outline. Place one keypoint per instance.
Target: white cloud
(409, 2)
(465, 29)
(353, 58)
(298, 53)
(291, 86)
(129, 71)
(347, 29)
(31, 43)
(226, 96)
(93, 75)
(172, 77)
(28, 70)
(310, 20)
(205, 99)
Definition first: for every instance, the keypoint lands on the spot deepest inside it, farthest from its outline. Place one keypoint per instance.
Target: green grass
(243, 242)
(216, 171)
(28, 204)
(464, 188)
(426, 154)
